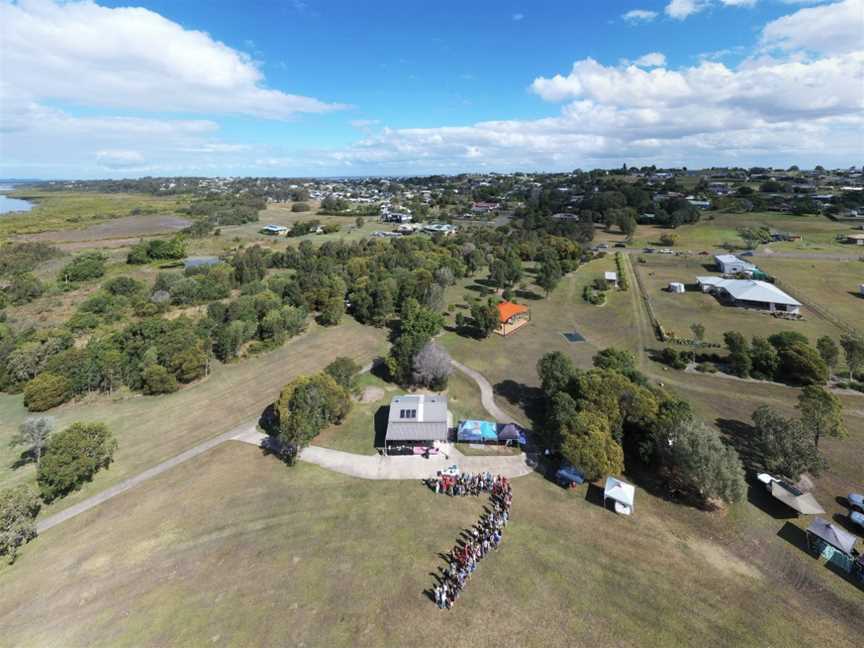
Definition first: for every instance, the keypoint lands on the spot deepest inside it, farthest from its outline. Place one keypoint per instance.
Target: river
(13, 204)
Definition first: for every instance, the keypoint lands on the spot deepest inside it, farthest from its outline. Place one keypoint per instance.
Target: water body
(13, 205)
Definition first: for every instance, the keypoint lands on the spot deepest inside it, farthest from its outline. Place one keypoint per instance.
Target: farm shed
(750, 293)
(621, 493)
(417, 420)
(611, 278)
(511, 317)
(731, 264)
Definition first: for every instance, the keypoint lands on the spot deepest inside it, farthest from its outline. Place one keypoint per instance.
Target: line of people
(463, 484)
(479, 540)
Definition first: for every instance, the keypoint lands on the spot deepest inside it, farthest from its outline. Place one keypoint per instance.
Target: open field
(676, 312)
(832, 285)
(56, 211)
(818, 232)
(119, 232)
(151, 429)
(510, 362)
(234, 548)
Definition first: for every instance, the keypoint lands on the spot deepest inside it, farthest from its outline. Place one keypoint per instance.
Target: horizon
(334, 90)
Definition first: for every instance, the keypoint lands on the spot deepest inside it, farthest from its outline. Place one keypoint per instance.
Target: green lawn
(151, 429)
(234, 548)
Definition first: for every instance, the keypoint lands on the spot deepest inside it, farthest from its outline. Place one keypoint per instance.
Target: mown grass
(60, 210)
(234, 548)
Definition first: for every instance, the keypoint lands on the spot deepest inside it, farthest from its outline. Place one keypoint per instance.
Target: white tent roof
(750, 290)
(611, 276)
(619, 491)
(833, 534)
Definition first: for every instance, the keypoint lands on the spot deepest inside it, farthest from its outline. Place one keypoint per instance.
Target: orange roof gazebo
(511, 317)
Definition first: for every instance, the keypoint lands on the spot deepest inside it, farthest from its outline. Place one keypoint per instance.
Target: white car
(452, 471)
(857, 518)
(856, 501)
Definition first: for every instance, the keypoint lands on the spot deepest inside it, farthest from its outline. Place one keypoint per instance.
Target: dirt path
(487, 394)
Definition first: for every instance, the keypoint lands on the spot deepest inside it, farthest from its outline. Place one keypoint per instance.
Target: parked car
(856, 501)
(621, 245)
(453, 470)
(857, 518)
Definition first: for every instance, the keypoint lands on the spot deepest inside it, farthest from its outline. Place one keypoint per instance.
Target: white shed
(676, 287)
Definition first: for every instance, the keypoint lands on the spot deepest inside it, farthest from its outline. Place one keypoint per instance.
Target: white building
(731, 264)
(750, 293)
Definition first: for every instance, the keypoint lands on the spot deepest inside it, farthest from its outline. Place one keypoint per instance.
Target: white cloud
(90, 55)
(833, 28)
(739, 3)
(639, 15)
(518, 16)
(682, 9)
(652, 59)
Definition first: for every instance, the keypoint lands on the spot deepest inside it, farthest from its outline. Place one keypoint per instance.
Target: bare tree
(432, 367)
(34, 433)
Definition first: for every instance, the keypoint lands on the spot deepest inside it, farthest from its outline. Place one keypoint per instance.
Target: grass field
(151, 429)
(510, 362)
(832, 285)
(56, 211)
(677, 311)
(818, 233)
(234, 548)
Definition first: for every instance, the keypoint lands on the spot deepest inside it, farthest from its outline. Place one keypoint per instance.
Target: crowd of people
(481, 539)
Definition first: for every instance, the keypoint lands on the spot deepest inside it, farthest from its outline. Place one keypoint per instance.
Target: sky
(346, 88)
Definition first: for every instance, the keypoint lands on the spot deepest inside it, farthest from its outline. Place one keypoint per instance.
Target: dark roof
(833, 534)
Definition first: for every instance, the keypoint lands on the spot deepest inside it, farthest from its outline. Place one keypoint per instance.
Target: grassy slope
(234, 548)
(151, 429)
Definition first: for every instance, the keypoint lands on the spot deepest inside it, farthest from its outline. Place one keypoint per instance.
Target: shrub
(126, 286)
(24, 288)
(45, 391)
(158, 380)
(344, 371)
(673, 358)
(300, 207)
(90, 265)
(72, 457)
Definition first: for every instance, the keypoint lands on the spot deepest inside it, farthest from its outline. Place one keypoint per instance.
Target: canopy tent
(834, 535)
(804, 503)
(622, 493)
(512, 432)
(476, 432)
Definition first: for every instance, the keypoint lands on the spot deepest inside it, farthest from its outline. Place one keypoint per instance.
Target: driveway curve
(487, 393)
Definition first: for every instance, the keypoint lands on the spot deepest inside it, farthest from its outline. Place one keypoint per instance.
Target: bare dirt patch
(371, 395)
(120, 231)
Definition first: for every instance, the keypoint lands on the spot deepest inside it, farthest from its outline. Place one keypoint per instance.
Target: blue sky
(331, 87)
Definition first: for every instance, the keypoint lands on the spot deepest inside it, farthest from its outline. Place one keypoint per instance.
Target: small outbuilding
(731, 264)
(611, 278)
(621, 493)
(274, 230)
(512, 317)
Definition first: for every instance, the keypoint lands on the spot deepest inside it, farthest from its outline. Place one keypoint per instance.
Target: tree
(766, 360)
(432, 367)
(784, 446)
(549, 275)
(47, 390)
(801, 364)
(821, 413)
(344, 371)
(668, 239)
(740, 363)
(700, 463)
(18, 509)
(72, 457)
(34, 433)
(698, 331)
(485, 317)
(828, 350)
(555, 371)
(305, 406)
(588, 445)
(853, 349)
